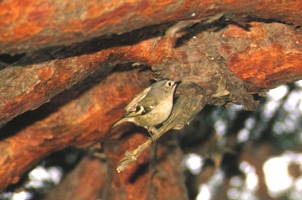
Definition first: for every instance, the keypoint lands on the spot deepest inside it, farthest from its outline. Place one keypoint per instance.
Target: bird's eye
(169, 83)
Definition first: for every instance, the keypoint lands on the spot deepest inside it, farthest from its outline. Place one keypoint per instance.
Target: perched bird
(152, 106)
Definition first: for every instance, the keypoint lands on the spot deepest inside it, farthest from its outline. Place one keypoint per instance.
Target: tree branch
(79, 121)
(40, 23)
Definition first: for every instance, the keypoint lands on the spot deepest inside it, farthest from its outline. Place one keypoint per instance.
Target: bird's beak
(177, 82)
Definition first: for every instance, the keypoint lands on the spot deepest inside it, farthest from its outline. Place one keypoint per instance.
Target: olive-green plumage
(152, 106)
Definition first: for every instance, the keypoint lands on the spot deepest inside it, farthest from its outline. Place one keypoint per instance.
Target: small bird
(150, 107)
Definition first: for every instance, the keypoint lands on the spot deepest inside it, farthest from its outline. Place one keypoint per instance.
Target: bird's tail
(119, 122)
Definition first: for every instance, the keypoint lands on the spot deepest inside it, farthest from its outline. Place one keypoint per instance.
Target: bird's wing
(135, 111)
(145, 104)
(137, 98)
(139, 110)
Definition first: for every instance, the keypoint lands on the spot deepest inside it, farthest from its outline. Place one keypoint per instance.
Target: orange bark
(30, 25)
(71, 121)
(264, 56)
(80, 121)
(144, 179)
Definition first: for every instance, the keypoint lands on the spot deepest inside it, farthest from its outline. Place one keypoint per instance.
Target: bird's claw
(152, 132)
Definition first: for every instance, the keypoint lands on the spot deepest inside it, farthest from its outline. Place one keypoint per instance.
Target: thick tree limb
(79, 121)
(245, 52)
(27, 87)
(149, 177)
(199, 61)
(37, 24)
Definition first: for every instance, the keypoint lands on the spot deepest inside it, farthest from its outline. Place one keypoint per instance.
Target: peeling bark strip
(35, 24)
(262, 55)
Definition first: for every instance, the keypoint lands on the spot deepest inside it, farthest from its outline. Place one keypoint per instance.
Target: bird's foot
(152, 132)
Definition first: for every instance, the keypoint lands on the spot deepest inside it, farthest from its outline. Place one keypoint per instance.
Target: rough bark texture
(245, 52)
(143, 179)
(29, 25)
(82, 43)
(74, 118)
